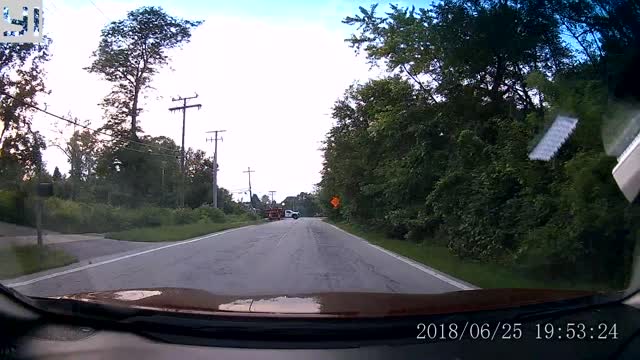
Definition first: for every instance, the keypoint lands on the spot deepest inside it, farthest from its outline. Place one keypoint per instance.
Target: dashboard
(610, 331)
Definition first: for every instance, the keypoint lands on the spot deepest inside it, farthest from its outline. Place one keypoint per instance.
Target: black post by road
(39, 210)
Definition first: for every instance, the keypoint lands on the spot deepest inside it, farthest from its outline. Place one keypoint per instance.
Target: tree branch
(415, 79)
(66, 152)
(577, 38)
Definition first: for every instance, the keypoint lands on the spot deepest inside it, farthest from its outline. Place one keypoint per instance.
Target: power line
(141, 151)
(151, 154)
(239, 190)
(103, 14)
(49, 11)
(155, 147)
(53, 3)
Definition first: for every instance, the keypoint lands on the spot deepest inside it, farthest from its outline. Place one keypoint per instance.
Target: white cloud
(270, 85)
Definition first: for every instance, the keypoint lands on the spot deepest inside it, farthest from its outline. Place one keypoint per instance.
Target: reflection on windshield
(134, 295)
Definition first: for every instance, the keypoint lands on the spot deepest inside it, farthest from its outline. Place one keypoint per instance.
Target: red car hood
(342, 304)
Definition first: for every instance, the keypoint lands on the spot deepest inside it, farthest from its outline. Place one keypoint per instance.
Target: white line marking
(85, 267)
(420, 267)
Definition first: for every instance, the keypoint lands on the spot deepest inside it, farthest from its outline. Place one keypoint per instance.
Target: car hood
(331, 304)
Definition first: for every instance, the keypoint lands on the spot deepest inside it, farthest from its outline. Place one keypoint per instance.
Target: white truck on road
(291, 214)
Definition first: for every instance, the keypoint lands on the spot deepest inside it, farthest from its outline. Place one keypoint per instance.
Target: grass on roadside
(22, 260)
(175, 232)
(479, 274)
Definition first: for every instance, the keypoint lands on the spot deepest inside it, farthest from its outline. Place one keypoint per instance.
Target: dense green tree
(131, 51)
(21, 81)
(265, 200)
(199, 170)
(438, 150)
(255, 202)
(305, 203)
(80, 149)
(57, 175)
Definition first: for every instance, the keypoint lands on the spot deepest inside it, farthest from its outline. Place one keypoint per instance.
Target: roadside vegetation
(181, 232)
(119, 178)
(22, 260)
(478, 273)
(439, 148)
(69, 216)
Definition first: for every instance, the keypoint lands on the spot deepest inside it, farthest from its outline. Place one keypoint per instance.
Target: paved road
(16, 235)
(290, 256)
(8, 229)
(89, 249)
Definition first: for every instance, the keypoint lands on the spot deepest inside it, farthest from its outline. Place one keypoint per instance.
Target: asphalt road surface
(282, 257)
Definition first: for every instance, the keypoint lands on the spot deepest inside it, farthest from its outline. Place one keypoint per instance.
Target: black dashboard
(606, 331)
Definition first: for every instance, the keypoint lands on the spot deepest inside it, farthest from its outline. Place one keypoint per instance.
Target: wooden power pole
(184, 108)
(249, 171)
(215, 164)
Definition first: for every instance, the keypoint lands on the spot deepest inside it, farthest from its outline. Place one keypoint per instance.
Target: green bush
(76, 217)
(105, 218)
(12, 206)
(64, 216)
(184, 216)
(152, 216)
(251, 216)
(210, 213)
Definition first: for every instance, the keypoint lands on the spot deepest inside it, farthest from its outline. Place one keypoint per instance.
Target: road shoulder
(428, 270)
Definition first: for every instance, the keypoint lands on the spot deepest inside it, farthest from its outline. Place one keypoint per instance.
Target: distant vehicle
(291, 214)
(274, 214)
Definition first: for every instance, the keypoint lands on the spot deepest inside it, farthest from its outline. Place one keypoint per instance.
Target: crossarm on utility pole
(185, 107)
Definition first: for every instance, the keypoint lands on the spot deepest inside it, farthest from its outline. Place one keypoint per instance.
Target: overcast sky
(267, 72)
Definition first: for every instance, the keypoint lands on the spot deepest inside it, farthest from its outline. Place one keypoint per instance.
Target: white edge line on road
(85, 267)
(420, 267)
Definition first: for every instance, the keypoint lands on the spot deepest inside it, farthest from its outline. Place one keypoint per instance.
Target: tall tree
(130, 52)
(80, 149)
(21, 81)
(57, 175)
(199, 169)
(265, 201)
(255, 202)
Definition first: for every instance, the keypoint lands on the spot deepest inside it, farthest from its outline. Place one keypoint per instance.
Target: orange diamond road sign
(335, 202)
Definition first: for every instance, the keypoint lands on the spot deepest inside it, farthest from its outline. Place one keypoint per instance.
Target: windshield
(290, 148)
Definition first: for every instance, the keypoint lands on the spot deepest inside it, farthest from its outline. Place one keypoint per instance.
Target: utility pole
(184, 108)
(215, 165)
(272, 192)
(39, 207)
(164, 163)
(249, 171)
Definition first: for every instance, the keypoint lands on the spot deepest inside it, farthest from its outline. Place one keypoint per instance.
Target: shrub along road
(18, 260)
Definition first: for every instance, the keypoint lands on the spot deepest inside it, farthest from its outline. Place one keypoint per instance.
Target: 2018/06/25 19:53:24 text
(514, 331)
